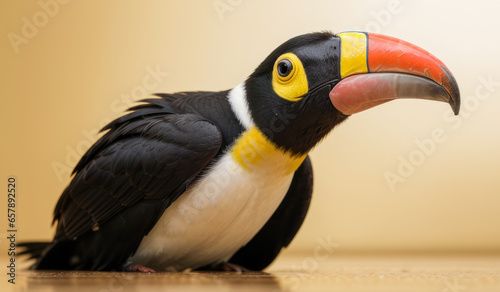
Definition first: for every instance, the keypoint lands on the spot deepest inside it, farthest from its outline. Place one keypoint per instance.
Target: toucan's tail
(48, 255)
(33, 249)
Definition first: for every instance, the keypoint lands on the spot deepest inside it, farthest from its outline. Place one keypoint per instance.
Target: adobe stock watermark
(31, 26)
(153, 78)
(453, 286)
(222, 7)
(424, 148)
(383, 17)
(324, 249)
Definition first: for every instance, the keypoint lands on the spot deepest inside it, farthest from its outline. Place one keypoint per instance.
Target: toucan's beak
(377, 69)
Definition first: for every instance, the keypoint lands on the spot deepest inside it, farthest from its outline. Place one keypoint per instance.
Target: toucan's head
(313, 82)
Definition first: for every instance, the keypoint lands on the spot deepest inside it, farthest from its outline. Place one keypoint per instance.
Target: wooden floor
(294, 273)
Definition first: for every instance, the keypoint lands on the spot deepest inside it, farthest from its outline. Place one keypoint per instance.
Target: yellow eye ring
(289, 77)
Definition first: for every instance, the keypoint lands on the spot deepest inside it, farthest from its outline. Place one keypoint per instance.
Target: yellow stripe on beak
(353, 52)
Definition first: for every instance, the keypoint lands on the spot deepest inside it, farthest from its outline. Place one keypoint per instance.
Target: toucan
(222, 180)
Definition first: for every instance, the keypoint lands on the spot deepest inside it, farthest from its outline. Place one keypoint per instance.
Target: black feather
(126, 180)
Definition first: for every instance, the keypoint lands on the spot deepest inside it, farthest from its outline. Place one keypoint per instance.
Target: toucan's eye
(289, 77)
(285, 67)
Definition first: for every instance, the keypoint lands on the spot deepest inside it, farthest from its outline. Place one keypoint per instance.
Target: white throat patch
(238, 99)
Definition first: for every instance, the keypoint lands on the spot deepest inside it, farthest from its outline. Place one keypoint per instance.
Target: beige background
(70, 76)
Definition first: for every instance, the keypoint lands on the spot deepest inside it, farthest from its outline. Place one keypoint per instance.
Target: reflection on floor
(295, 273)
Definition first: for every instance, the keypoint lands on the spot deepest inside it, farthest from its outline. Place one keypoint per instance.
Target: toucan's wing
(281, 228)
(150, 155)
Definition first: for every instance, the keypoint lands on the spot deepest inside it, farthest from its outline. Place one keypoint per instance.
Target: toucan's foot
(139, 268)
(229, 267)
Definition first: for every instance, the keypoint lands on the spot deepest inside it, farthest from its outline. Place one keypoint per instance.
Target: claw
(229, 267)
(139, 268)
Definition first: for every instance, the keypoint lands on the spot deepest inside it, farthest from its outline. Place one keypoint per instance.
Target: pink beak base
(360, 92)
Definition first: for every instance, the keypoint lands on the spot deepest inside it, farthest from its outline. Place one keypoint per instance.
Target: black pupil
(284, 67)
